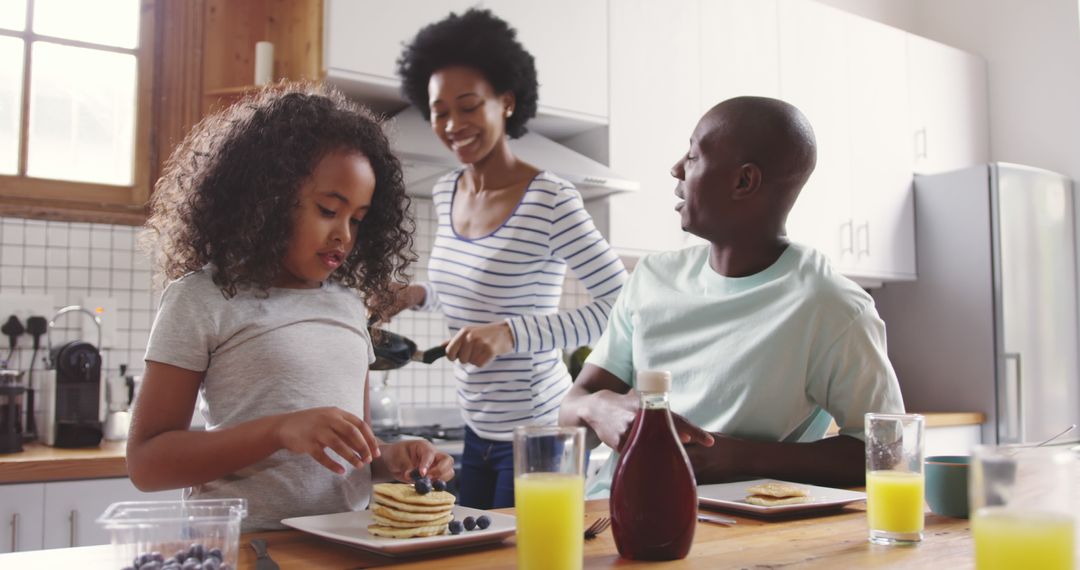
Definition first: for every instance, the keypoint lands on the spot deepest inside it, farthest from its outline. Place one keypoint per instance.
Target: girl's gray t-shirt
(280, 352)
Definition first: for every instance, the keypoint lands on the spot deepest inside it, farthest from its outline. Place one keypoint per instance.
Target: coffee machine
(72, 394)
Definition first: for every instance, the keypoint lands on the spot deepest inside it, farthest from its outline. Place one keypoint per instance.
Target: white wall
(1032, 48)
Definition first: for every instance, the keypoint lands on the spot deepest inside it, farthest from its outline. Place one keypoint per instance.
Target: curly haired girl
(270, 217)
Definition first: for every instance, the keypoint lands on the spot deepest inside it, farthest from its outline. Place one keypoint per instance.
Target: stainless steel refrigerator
(990, 324)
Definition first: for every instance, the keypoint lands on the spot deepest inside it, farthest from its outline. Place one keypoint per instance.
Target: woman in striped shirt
(507, 233)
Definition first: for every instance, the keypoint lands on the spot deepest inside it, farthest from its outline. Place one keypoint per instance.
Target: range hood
(425, 159)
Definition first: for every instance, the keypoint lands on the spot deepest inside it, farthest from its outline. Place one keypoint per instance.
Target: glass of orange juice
(1024, 510)
(549, 497)
(894, 477)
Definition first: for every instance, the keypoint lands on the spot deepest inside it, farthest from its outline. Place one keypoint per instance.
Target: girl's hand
(480, 344)
(402, 457)
(311, 431)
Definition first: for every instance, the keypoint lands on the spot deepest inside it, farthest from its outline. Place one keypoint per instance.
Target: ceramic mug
(947, 485)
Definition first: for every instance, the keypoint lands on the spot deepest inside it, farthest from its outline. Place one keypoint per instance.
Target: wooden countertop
(43, 463)
(38, 462)
(836, 540)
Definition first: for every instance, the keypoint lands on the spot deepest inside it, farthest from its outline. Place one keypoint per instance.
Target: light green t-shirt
(767, 357)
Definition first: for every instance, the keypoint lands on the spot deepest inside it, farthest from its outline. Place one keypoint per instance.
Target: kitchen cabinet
(952, 440)
(740, 51)
(654, 106)
(948, 105)
(363, 40)
(857, 208)
(21, 520)
(71, 509)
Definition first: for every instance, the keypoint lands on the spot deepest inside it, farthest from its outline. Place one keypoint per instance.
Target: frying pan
(393, 350)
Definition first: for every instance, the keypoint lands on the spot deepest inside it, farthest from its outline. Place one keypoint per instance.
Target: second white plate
(733, 496)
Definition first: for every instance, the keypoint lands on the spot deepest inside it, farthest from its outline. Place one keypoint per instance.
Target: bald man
(765, 342)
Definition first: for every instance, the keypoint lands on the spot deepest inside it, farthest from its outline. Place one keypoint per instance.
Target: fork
(598, 526)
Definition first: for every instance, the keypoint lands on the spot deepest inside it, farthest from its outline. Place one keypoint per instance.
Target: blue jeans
(486, 480)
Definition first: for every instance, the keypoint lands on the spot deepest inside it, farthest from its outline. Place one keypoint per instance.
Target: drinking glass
(549, 496)
(894, 477)
(1024, 510)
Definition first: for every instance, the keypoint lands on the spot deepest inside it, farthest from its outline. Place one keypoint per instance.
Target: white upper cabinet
(814, 76)
(857, 207)
(568, 39)
(948, 107)
(654, 108)
(739, 51)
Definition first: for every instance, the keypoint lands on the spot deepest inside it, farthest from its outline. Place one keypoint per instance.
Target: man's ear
(749, 181)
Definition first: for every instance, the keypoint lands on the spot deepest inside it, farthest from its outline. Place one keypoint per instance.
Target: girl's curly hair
(482, 41)
(228, 191)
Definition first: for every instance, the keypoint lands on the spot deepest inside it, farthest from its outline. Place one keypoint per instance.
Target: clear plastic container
(172, 527)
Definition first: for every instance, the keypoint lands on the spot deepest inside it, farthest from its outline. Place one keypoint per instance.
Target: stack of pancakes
(400, 512)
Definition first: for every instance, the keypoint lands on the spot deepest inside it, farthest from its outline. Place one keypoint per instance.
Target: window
(75, 85)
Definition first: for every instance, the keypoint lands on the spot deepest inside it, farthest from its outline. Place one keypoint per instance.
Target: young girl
(268, 216)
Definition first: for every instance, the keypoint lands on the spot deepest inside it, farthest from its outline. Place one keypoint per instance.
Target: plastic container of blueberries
(168, 527)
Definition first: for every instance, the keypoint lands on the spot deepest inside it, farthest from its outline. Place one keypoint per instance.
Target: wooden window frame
(24, 196)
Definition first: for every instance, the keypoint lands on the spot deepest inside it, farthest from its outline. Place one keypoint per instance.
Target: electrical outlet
(105, 309)
(24, 307)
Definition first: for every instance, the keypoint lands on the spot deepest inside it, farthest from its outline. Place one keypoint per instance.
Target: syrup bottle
(653, 492)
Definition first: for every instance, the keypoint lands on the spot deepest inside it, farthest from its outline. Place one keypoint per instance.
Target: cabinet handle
(73, 519)
(920, 143)
(1019, 425)
(864, 229)
(846, 230)
(15, 532)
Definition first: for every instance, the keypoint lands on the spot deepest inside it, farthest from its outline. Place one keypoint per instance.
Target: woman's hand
(480, 344)
(402, 457)
(405, 297)
(312, 431)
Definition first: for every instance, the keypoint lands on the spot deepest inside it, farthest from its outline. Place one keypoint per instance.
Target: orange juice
(550, 520)
(1012, 539)
(894, 501)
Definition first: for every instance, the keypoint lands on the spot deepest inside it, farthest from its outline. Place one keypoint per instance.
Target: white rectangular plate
(351, 529)
(733, 496)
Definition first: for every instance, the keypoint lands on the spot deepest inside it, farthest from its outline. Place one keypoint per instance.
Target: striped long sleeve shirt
(516, 274)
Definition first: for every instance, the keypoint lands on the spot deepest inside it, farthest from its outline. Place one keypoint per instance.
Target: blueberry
(414, 474)
(216, 553)
(197, 551)
(181, 555)
(469, 522)
(422, 486)
(157, 556)
(151, 565)
(483, 522)
(191, 564)
(211, 563)
(438, 485)
(140, 560)
(454, 527)
(170, 561)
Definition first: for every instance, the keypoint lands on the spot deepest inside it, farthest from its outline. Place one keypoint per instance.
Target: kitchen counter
(38, 462)
(836, 540)
(43, 463)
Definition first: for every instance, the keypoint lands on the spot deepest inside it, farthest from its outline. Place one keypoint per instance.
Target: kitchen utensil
(716, 520)
(947, 485)
(732, 496)
(73, 407)
(598, 526)
(393, 350)
(263, 560)
(1053, 437)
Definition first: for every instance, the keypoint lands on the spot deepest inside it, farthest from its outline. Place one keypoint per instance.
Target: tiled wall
(72, 260)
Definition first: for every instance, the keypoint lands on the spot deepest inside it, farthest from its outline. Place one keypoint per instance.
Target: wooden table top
(836, 540)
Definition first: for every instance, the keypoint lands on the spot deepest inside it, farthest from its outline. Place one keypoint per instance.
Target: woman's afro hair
(482, 41)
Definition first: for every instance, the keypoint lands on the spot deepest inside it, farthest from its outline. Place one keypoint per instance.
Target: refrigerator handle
(1019, 425)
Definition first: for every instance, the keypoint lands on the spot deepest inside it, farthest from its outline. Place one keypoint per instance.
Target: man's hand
(611, 416)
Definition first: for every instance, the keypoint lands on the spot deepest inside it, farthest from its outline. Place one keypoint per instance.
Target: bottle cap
(653, 381)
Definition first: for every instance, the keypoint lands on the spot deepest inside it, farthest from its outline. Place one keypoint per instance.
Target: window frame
(25, 196)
